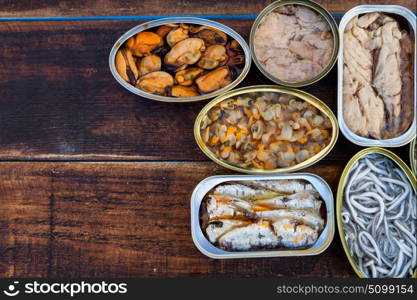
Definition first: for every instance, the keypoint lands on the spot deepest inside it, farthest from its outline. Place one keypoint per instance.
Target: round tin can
(189, 20)
(339, 200)
(317, 8)
(276, 89)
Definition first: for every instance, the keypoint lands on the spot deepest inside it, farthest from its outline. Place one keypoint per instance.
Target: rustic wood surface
(127, 219)
(90, 185)
(28, 8)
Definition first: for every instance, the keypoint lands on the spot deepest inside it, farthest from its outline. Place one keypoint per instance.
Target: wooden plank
(24, 222)
(27, 8)
(58, 99)
(125, 220)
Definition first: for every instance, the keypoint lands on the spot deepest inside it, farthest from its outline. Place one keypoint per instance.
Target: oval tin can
(267, 88)
(317, 8)
(189, 20)
(341, 186)
(212, 251)
(405, 138)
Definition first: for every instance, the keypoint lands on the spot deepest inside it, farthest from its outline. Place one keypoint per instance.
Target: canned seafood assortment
(271, 130)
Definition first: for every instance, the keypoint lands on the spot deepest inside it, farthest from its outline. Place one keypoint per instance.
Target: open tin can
(188, 20)
(341, 189)
(407, 136)
(208, 249)
(327, 16)
(322, 107)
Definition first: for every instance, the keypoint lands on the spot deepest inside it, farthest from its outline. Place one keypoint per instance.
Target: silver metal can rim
(319, 9)
(352, 137)
(208, 249)
(190, 20)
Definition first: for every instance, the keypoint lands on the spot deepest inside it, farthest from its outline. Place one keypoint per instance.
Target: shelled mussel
(180, 60)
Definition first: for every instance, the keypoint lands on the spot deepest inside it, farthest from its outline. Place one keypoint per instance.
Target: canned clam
(304, 227)
(376, 211)
(181, 59)
(294, 43)
(368, 113)
(266, 130)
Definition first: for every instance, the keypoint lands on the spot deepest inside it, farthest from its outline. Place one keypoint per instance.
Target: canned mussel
(180, 59)
(262, 216)
(266, 129)
(377, 214)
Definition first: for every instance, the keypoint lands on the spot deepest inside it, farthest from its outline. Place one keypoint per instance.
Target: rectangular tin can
(354, 138)
(212, 251)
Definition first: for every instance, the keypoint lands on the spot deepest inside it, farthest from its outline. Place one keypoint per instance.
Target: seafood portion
(379, 217)
(247, 215)
(293, 43)
(180, 60)
(265, 130)
(378, 81)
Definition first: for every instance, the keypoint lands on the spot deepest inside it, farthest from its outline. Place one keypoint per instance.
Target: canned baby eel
(209, 249)
(169, 21)
(323, 108)
(392, 10)
(316, 8)
(340, 193)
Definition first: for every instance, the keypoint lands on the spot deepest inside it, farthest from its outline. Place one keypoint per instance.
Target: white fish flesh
(255, 235)
(293, 235)
(243, 191)
(217, 228)
(286, 186)
(263, 214)
(216, 207)
(309, 218)
(300, 200)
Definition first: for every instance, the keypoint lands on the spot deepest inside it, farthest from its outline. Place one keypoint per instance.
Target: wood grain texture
(27, 8)
(124, 220)
(58, 99)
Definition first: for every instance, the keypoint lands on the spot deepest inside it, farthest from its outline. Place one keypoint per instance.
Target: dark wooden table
(90, 183)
